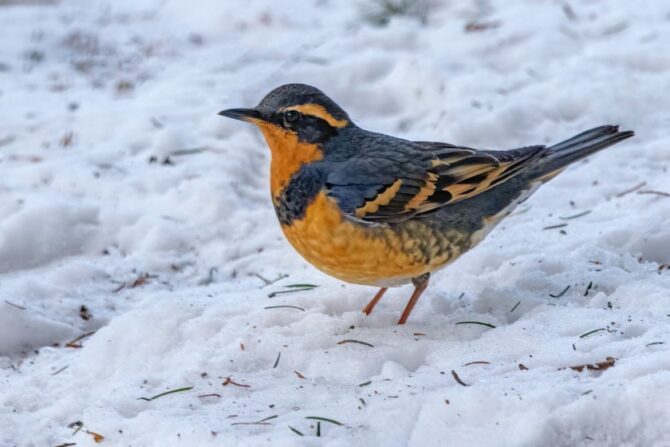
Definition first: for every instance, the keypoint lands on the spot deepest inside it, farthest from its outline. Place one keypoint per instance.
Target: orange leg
(371, 305)
(420, 284)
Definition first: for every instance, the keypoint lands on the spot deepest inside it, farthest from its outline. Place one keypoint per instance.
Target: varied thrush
(373, 209)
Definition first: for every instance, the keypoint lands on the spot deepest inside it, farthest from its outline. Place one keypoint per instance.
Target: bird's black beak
(248, 115)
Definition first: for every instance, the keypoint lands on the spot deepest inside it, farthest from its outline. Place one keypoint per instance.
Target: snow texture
(133, 215)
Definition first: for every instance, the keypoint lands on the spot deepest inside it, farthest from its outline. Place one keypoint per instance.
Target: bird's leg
(420, 284)
(371, 305)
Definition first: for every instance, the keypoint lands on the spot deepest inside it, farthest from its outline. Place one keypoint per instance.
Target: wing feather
(424, 178)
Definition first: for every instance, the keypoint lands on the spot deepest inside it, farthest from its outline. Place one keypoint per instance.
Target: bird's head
(295, 109)
(295, 119)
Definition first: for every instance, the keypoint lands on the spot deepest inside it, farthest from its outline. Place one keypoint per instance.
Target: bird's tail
(586, 143)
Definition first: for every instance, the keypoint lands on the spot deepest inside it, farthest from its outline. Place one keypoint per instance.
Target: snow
(123, 192)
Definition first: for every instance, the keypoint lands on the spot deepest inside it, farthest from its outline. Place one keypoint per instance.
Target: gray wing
(409, 179)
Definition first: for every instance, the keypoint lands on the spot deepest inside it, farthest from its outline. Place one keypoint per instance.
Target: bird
(376, 210)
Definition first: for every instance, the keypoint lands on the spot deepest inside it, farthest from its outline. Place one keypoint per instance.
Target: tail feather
(586, 143)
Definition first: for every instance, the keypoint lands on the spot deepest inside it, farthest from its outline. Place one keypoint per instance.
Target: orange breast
(366, 255)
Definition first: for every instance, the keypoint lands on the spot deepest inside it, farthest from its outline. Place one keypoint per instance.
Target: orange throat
(288, 155)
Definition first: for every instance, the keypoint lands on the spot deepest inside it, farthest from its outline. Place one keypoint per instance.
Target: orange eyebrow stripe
(319, 112)
(381, 200)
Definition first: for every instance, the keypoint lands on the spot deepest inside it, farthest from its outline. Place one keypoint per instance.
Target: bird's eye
(291, 116)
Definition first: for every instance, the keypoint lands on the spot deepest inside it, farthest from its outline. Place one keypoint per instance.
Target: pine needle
(292, 288)
(553, 227)
(458, 379)
(319, 418)
(296, 431)
(592, 332)
(284, 306)
(178, 390)
(355, 341)
(575, 216)
(261, 422)
(561, 293)
(481, 323)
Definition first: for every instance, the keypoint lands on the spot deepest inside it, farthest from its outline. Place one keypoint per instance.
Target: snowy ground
(131, 210)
